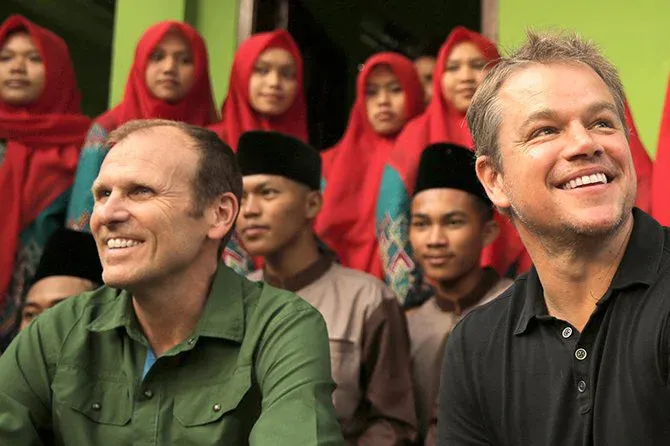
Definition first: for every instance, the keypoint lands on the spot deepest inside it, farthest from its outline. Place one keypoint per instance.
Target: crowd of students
(388, 234)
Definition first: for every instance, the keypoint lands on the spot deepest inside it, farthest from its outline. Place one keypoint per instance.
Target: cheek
(370, 108)
(37, 76)
(447, 83)
(151, 73)
(291, 91)
(255, 85)
(399, 108)
(187, 75)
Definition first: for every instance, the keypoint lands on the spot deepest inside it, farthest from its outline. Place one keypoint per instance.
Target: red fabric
(237, 115)
(197, 107)
(43, 143)
(660, 194)
(642, 162)
(353, 170)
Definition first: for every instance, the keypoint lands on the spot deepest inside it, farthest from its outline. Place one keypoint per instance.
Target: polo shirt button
(581, 386)
(580, 354)
(148, 394)
(567, 332)
(217, 408)
(96, 406)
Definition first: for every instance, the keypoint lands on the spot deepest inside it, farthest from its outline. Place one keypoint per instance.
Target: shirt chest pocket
(104, 399)
(209, 413)
(346, 370)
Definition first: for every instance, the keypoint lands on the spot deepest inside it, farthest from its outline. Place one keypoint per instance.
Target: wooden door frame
(489, 25)
(247, 14)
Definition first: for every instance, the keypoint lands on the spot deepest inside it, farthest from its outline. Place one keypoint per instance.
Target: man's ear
(492, 180)
(221, 215)
(313, 203)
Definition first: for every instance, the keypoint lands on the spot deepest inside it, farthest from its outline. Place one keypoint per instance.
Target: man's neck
(454, 290)
(293, 258)
(576, 277)
(168, 312)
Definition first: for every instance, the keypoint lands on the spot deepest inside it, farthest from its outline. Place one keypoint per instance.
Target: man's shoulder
(356, 285)
(83, 308)
(493, 320)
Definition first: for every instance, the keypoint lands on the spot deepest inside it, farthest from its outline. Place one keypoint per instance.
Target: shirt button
(148, 394)
(567, 332)
(216, 408)
(96, 406)
(581, 386)
(580, 354)
(190, 341)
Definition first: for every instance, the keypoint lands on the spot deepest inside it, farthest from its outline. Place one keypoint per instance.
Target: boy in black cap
(451, 220)
(367, 330)
(69, 266)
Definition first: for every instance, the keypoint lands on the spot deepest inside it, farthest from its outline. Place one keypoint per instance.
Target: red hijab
(43, 142)
(237, 115)
(197, 107)
(660, 194)
(642, 163)
(353, 170)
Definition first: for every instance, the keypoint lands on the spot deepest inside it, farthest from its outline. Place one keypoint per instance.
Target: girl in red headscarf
(169, 79)
(41, 131)
(461, 66)
(388, 94)
(266, 89)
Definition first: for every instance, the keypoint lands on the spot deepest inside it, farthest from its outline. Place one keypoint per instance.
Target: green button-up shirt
(256, 370)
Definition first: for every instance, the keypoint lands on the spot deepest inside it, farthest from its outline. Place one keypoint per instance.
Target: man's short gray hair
(485, 114)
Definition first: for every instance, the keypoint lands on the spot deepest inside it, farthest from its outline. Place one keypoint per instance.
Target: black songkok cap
(70, 253)
(273, 153)
(448, 166)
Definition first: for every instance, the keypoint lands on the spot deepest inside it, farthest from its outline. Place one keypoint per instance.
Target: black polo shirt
(513, 375)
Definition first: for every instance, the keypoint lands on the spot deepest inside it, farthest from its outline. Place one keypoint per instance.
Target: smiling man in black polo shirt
(577, 351)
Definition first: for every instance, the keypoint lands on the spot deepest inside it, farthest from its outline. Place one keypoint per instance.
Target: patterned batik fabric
(90, 160)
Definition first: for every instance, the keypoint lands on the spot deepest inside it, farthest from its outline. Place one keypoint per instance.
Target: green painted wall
(216, 20)
(633, 34)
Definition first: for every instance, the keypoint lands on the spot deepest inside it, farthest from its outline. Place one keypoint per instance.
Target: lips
(591, 177)
(272, 97)
(384, 116)
(17, 83)
(254, 231)
(437, 260)
(168, 83)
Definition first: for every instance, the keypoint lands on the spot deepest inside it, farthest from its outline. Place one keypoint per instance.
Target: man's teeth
(121, 243)
(586, 180)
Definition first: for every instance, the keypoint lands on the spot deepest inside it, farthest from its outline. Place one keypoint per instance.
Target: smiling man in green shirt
(176, 348)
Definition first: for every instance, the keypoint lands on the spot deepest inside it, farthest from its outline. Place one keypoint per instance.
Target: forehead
(442, 201)
(559, 87)
(174, 39)
(277, 56)
(424, 63)
(464, 50)
(56, 287)
(252, 182)
(19, 40)
(380, 73)
(159, 150)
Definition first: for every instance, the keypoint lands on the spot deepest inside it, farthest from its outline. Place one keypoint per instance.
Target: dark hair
(217, 171)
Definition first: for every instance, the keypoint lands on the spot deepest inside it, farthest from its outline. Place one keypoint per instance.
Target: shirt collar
(222, 317)
(302, 279)
(470, 299)
(640, 265)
